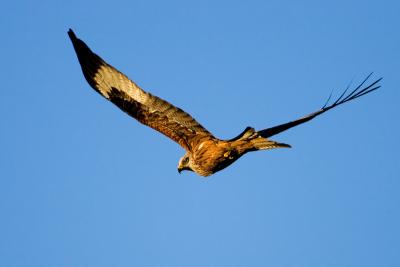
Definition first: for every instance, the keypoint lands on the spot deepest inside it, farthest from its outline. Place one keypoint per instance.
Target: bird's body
(205, 154)
(212, 155)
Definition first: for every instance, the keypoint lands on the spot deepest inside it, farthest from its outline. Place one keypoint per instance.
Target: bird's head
(184, 164)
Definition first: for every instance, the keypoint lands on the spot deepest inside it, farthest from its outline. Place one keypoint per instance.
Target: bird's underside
(205, 154)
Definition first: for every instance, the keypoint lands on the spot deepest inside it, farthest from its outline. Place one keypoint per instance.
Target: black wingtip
(89, 61)
(355, 93)
(359, 91)
(78, 44)
(80, 47)
(71, 34)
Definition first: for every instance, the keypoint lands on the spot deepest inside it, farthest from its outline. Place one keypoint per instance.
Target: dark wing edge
(129, 97)
(359, 91)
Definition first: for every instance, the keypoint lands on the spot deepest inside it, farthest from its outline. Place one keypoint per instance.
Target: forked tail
(261, 143)
(250, 140)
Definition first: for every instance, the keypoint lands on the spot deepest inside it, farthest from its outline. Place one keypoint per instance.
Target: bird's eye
(185, 160)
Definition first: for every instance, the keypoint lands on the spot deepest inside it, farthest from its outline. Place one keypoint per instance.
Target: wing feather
(141, 105)
(357, 92)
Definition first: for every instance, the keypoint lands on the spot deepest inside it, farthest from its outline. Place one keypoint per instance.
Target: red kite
(205, 154)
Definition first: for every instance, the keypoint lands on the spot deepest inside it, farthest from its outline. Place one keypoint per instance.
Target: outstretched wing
(129, 97)
(360, 90)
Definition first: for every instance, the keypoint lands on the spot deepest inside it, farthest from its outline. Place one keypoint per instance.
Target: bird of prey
(205, 153)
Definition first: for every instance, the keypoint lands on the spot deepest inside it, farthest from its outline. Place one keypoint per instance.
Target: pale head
(184, 163)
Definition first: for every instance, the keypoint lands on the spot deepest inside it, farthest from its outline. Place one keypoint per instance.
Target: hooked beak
(180, 169)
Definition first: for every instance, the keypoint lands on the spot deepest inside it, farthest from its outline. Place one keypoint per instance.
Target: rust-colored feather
(141, 105)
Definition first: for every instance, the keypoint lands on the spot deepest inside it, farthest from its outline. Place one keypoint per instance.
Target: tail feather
(250, 140)
(261, 143)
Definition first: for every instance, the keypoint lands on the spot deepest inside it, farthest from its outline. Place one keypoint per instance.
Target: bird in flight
(205, 153)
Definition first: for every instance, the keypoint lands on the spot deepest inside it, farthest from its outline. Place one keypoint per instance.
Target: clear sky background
(83, 184)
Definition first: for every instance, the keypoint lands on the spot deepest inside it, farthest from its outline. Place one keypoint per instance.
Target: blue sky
(82, 184)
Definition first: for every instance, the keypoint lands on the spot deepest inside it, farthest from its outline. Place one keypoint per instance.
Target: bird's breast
(212, 156)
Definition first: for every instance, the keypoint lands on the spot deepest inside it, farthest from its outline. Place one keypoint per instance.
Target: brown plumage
(205, 154)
